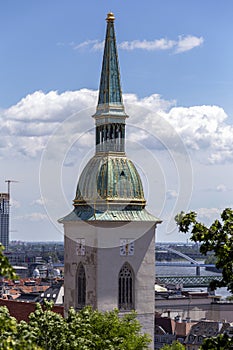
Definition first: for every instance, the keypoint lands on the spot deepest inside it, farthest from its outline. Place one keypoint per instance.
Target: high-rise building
(4, 220)
(110, 236)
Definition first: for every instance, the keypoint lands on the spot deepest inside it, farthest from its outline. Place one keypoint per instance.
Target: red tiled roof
(22, 310)
(172, 327)
(183, 328)
(33, 289)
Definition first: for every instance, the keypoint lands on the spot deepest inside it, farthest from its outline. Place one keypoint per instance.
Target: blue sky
(175, 60)
(36, 38)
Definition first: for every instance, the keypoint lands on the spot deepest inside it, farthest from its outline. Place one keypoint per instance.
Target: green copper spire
(110, 95)
(110, 113)
(110, 187)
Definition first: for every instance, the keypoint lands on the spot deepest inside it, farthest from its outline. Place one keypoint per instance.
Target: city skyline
(175, 62)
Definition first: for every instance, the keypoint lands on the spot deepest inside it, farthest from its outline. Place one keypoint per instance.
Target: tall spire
(110, 113)
(110, 95)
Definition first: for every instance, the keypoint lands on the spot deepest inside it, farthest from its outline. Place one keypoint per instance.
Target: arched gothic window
(81, 286)
(126, 288)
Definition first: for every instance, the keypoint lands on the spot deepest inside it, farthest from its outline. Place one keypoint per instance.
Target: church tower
(110, 236)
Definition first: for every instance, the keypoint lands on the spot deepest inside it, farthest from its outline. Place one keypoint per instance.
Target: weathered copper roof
(88, 213)
(110, 94)
(110, 178)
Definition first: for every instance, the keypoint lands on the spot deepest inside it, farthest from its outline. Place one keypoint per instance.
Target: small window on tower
(126, 288)
(81, 287)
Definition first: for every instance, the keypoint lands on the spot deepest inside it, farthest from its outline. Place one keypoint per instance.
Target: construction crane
(8, 186)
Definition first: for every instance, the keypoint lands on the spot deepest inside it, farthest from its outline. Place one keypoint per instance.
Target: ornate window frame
(126, 288)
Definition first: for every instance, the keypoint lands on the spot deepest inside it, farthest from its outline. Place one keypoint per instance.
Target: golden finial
(110, 17)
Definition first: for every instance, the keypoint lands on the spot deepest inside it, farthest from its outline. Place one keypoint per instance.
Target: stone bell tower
(110, 236)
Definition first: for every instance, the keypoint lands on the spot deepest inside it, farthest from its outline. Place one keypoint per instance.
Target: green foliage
(84, 330)
(14, 335)
(211, 259)
(217, 238)
(221, 342)
(185, 220)
(175, 346)
(6, 269)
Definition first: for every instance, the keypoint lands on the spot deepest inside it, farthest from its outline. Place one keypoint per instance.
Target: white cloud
(14, 203)
(51, 107)
(182, 44)
(153, 102)
(98, 46)
(36, 216)
(38, 201)
(209, 213)
(187, 43)
(171, 194)
(221, 188)
(85, 44)
(159, 44)
(27, 126)
(203, 128)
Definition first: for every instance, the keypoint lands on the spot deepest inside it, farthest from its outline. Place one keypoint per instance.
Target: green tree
(85, 330)
(217, 238)
(6, 270)
(14, 335)
(221, 342)
(174, 346)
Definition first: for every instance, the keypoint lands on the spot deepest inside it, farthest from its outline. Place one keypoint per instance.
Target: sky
(177, 80)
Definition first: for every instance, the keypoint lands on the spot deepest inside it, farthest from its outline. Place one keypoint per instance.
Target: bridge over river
(184, 264)
(187, 281)
(188, 262)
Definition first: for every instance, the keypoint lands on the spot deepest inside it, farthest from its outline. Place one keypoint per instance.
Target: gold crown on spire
(110, 17)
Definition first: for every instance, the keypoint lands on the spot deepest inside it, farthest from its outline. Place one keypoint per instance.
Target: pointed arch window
(81, 286)
(126, 288)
